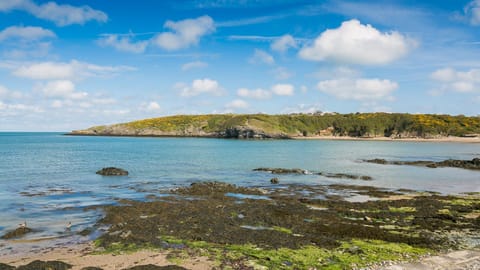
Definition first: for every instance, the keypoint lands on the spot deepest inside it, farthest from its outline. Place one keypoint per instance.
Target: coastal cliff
(262, 126)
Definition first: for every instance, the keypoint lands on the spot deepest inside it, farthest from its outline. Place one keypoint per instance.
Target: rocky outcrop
(473, 164)
(19, 232)
(112, 171)
(281, 171)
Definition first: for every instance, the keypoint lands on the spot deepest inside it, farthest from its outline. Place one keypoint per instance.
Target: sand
(81, 256)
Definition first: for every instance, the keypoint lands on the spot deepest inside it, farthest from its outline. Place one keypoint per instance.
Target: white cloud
(283, 89)
(195, 64)
(472, 12)
(261, 57)
(358, 89)
(61, 70)
(6, 93)
(283, 43)
(304, 108)
(62, 89)
(153, 106)
(255, 94)
(26, 33)
(458, 81)
(355, 43)
(201, 86)
(237, 104)
(184, 33)
(123, 43)
(62, 15)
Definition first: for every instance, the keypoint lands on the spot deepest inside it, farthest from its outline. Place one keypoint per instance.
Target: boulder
(19, 232)
(112, 171)
(274, 180)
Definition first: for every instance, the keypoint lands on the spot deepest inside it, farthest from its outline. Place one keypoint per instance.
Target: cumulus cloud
(184, 33)
(64, 70)
(201, 86)
(283, 89)
(122, 43)
(358, 89)
(472, 12)
(64, 89)
(152, 106)
(61, 15)
(278, 89)
(261, 57)
(255, 94)
(356, 43)
(193, 65)
(237, 104)
(26, 33)
(283, 43)
(458, 81)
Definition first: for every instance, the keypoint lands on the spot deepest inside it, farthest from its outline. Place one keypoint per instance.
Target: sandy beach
(83, 255)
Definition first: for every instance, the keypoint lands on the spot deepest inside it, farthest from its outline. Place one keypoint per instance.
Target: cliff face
(262, 126)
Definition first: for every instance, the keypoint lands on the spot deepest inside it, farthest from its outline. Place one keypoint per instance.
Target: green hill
(393, 125)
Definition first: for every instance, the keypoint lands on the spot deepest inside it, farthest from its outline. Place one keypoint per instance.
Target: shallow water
(49, 179)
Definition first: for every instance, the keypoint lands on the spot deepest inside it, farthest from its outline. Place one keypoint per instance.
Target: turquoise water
(49, 179)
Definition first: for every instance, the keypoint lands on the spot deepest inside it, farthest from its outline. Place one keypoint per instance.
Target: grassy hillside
(355, 125)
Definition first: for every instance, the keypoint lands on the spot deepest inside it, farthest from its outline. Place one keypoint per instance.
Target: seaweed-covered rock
(45, 265)
(473, 164)
(281, 170)
(6, 267)
(112, 171)
(156, 267)
(17, 233)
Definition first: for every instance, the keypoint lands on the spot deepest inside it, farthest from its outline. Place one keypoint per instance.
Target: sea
(49, 179)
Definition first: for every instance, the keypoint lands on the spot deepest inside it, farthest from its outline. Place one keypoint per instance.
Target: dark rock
(17, 233)
(6, 267)
(92, 268)
(377, 161)
(346, 176)
(156, 267)
(48, 265)
(473, 164)
(112, 171)
(281, 170)
(274, 180)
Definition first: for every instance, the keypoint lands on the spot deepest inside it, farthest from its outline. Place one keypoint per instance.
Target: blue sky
(73, 64)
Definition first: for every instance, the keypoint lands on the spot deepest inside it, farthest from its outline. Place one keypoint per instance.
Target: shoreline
(450, 139)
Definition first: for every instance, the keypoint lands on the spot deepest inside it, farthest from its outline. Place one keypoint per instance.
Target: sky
(72, 64)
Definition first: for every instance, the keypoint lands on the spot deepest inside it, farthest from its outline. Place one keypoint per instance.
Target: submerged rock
(17, 233)
(281, 170)
(346, 176)
(112, 171)
(473, 164)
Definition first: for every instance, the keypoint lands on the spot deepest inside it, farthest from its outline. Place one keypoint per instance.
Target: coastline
(449, 139)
